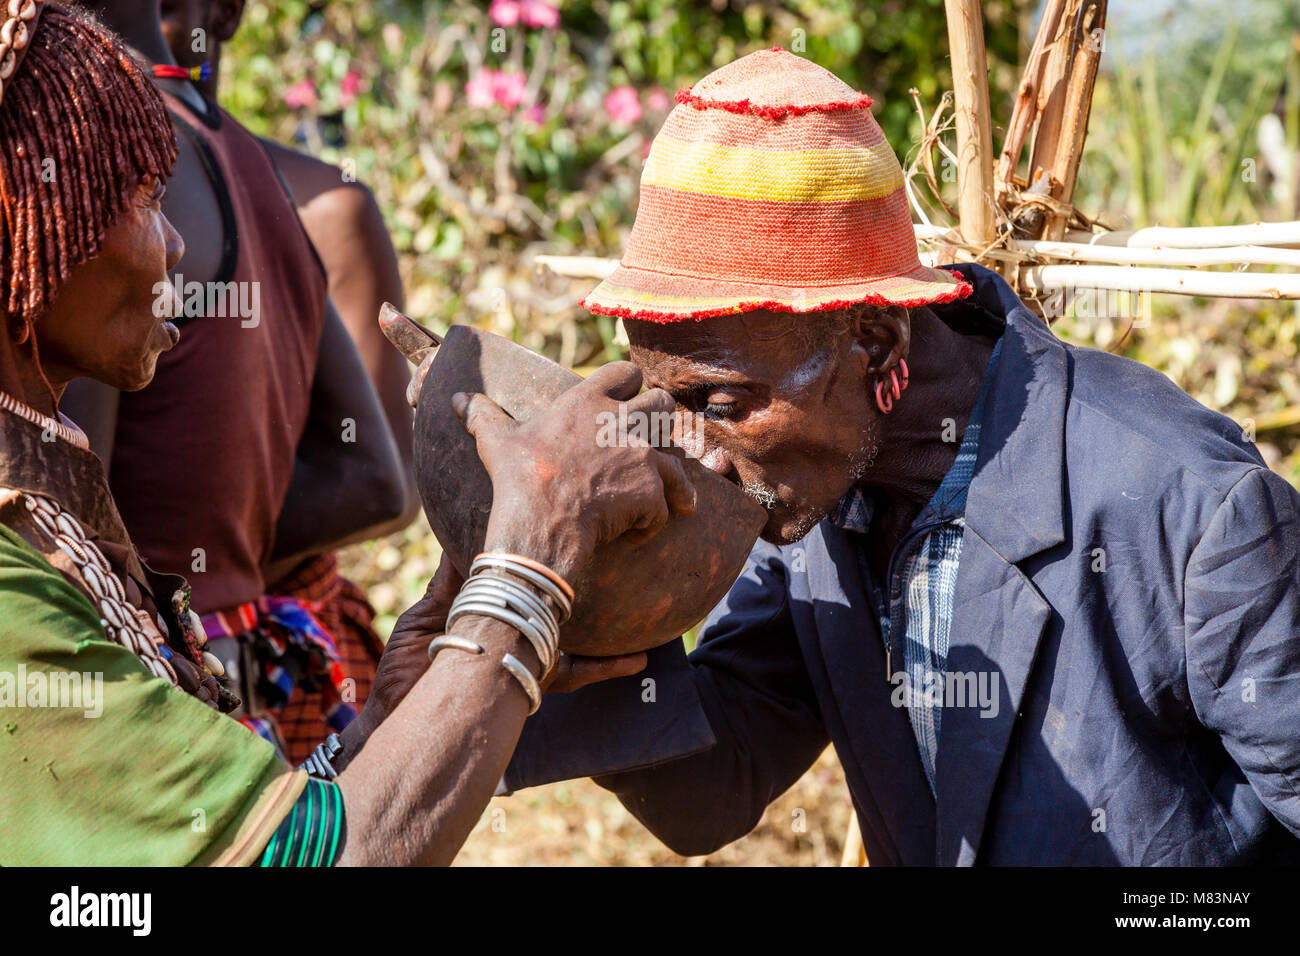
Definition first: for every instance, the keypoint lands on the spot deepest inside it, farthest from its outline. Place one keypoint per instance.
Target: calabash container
(632, 596)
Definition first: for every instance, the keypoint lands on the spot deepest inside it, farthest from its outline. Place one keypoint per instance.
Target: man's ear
(224, 19)
(884, 334)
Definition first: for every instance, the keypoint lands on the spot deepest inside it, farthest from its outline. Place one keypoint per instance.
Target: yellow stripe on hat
(738, 172)
(614, 293)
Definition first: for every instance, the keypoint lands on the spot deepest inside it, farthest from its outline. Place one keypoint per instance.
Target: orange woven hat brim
(770, 186)
(655, 297)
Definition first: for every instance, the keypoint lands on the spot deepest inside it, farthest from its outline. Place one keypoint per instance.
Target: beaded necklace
(69, 433)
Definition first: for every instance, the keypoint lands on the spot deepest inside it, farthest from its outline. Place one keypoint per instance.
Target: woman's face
(109, 320)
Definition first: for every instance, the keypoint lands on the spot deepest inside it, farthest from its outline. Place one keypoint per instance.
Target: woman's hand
(406, 658)
(558, 493)
(406, 655)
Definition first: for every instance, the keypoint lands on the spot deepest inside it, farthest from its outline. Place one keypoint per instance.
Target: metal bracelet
(526, 680)
(526, 612)
(536, 565)
(320, 763)
(454, 643)
(541, 581)
(515, 596)
(546, 652)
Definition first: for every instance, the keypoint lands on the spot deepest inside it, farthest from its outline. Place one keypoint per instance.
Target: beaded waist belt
(285, 646)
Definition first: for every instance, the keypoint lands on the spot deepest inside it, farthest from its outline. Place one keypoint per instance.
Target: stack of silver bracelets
(523, 593)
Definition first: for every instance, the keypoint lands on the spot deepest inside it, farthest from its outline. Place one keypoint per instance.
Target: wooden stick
(1051, 93)
(578, 267)
(584, 267)
(1123, 255)
(974, 129)
(1197, 237)
(1224, 285)
(1223, 256)
(1024, 112)
(1078, 107)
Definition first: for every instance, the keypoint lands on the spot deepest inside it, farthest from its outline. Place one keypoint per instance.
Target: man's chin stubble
(860, 464)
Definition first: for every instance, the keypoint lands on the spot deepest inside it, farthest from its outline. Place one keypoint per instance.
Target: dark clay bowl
(634, 596)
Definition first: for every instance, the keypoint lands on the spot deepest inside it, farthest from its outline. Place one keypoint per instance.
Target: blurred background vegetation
(492, 132)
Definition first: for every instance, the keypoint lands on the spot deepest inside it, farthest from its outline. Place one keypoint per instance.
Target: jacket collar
(1015, 509)
(1017, 496)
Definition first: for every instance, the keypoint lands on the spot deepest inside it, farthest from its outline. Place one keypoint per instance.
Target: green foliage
(472, 191)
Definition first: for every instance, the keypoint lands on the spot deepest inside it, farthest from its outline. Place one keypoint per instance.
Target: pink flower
(392, 38)
(535, 114)
(622, 105)
(504, 13)
(349, 87)
(494, 86)
(538, 13)
(300, 94)
(657, 101)
(508, 88)
(479, 89)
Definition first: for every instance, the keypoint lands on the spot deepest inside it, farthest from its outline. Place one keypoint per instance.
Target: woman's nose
(174, 242)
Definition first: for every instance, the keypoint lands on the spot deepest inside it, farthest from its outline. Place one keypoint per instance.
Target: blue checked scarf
(926, 578)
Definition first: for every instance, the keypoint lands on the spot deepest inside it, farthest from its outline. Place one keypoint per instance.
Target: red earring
(885, 399)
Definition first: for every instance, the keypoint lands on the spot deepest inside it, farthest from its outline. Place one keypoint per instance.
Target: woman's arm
(348, 482)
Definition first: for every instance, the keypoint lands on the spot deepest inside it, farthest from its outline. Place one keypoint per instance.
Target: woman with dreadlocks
(114, 749)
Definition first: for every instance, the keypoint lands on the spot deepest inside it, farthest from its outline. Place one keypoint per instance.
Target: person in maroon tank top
(261, 443)
(347, 228)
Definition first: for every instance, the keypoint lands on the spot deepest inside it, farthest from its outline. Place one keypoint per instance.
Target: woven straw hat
(770, 186)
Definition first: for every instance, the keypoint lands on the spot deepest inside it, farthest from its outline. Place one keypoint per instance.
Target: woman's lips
(173, 333)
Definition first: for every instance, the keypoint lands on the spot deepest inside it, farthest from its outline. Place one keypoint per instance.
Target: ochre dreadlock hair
(80, 100)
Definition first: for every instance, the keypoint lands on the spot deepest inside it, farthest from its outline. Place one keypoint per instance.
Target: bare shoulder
(323, 191)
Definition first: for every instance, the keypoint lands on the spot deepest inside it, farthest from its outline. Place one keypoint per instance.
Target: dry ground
(579, 824)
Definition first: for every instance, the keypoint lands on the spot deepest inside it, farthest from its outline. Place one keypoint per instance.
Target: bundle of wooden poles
(1025, 226)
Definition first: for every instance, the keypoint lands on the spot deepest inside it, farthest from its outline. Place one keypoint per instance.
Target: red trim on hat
(770, 112)
(959, 291)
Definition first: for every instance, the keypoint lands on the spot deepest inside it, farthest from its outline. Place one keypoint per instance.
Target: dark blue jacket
(1149, 713)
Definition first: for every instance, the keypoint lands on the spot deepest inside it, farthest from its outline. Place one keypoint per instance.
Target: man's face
(788, 419)
(180, 18)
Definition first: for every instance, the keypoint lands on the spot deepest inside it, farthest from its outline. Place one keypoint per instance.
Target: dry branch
(974, 131)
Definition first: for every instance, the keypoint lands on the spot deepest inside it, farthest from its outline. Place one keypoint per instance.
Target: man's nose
(715, 459)
(688, 434)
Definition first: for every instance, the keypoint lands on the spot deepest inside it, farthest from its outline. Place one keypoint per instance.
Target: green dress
(101, 761)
